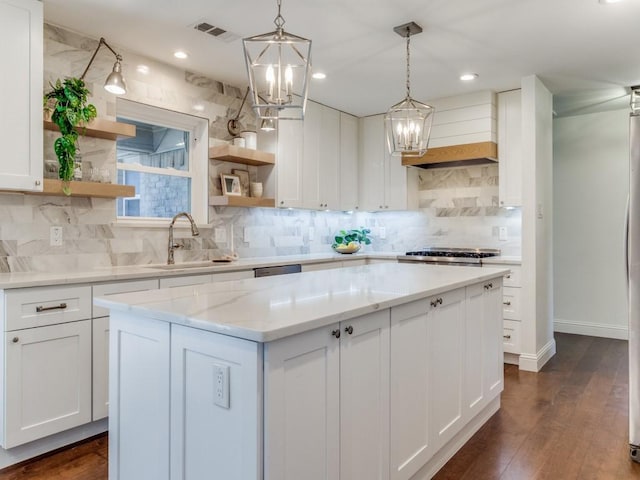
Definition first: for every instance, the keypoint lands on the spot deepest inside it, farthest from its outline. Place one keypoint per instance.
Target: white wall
(591, 183)
(538, 345)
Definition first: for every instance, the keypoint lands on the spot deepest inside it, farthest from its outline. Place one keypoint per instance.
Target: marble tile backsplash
(458, 206)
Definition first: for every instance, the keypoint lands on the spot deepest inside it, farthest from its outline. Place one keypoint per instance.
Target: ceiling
(584, 51)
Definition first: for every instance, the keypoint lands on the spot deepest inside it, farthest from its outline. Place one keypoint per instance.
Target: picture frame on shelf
(244, 180)
(230, 185)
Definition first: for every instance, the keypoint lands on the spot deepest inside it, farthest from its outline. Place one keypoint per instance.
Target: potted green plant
(350, 241)
(68, 106)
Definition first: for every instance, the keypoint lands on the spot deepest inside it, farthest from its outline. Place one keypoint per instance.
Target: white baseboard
(620, 332)
(533, 363)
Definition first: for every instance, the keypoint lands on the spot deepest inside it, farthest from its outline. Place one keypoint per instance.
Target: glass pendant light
(279, 65)
(408, 123)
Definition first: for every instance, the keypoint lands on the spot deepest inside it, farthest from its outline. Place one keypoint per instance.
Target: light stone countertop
(266, 309)
(503, 260)
(110, 274)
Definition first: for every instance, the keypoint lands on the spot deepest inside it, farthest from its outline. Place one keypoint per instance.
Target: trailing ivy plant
(67, 103)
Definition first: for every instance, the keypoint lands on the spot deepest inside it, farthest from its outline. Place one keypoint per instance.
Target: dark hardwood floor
(569, 421)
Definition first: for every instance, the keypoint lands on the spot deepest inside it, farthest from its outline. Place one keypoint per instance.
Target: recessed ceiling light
(467, 77)
(198, 107)
(142, 69)
(180, 54)
(319, 76)
(610, 1)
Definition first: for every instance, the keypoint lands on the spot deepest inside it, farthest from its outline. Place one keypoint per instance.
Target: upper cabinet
(289, 169)
(349, 172)
(318, 161)
(384, 184)
(510, 148)
(21, 47)
(321, 153)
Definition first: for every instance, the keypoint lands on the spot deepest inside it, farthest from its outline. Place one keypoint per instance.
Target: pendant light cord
(279, 20)
(408, 63)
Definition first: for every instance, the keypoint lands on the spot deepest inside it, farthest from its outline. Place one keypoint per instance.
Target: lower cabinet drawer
(511, 336)
(40, 306)
(511, 303)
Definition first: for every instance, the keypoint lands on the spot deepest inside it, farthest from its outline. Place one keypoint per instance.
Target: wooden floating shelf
(86, 189)
(238, 201)
(246, 156)
(484, 151)
(100, 128)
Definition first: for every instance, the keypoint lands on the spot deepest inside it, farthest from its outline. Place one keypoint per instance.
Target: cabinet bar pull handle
(40, 308)
(349, 329)
(506, 303)
(507, 337)
(336, 333)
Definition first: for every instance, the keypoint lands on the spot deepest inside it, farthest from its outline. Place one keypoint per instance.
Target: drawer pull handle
(336, 333)
(507, 337)
(506, 303)
(436, 302)
(40, 308)
(15, 339)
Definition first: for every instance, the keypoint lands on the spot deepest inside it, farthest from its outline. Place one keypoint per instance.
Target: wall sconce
(115, 81)
(233, 125)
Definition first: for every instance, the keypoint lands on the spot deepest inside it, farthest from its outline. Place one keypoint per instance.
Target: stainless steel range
(450, 256)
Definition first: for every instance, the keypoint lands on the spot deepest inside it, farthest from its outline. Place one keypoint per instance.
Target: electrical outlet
(502, 234)
(55, 236)
(382, 233)
(220, 235)
(312, 233)
(221, 385)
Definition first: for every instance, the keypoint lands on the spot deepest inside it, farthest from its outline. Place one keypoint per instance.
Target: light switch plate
(503, 234)
(382, 233)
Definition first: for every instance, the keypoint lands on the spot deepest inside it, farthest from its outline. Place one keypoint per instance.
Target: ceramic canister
(251, 139)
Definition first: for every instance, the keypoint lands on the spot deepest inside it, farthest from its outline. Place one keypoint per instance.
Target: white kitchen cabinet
(302, 406)
(411, 397)
(349, 172)
(325, 417)
(197, 414)
(289, 164)
(510, 148)
(139, 398)
(384, 183)
(446, 348)
(21, 47)
(47, 381)
(483, 350)
(512, 314)
(446, 367)
(100, 341)
(321, 158)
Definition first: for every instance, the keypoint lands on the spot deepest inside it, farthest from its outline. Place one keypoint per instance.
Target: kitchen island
(381, 371)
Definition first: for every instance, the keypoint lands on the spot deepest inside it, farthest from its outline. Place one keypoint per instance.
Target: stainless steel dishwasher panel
(277, 270)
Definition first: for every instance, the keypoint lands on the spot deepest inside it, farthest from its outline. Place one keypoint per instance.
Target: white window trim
(198, 128)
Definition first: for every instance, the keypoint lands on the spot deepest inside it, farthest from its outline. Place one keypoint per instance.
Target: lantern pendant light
(279, 65)
(408, 123)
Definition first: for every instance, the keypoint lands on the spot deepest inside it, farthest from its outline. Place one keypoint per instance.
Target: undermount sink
(181, 266)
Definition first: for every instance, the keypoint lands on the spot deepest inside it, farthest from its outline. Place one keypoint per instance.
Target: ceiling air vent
(217, 32)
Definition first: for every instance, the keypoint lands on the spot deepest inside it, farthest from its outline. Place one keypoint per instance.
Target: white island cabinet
(374, 372)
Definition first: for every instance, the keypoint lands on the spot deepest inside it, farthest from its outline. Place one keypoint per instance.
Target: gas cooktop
(443, 255)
